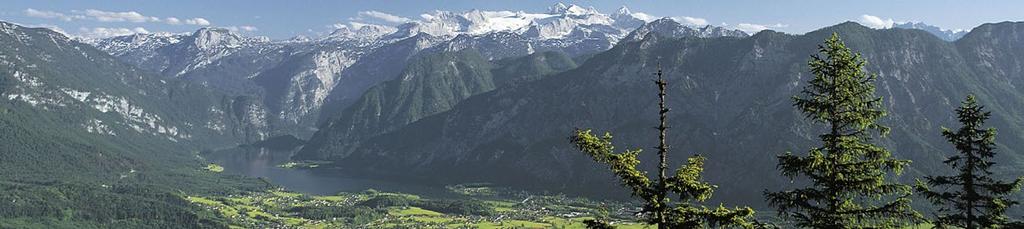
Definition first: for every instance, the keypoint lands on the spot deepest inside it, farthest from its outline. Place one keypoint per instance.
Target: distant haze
(279, 20)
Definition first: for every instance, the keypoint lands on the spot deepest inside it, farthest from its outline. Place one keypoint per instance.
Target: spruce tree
(848, 173)
(971, 198)
(687, 182)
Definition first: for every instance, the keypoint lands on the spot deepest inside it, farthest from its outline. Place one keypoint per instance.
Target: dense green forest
(749, 132)
(851, 183)
(734, 105)
(87, 140)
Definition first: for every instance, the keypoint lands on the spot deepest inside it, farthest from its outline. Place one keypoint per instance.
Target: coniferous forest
(544, 116)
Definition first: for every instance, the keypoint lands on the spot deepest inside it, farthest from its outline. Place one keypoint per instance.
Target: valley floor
(470, 207)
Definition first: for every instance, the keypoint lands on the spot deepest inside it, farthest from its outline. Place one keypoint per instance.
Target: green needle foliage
(687, 182)
(847, 173)
(971, 198)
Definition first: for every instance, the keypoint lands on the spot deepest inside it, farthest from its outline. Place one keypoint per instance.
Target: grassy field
(372, 209)
(214, 168)
(471, 207)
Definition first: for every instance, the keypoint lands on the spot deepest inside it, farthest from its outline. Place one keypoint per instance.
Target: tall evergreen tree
(848, 173)
(971, 198)
(687, 182)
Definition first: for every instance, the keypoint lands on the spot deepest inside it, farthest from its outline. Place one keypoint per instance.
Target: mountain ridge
(99, 143)
(728, 84)
(433, 84)
(293, 82)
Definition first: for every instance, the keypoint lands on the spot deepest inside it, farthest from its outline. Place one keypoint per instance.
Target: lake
(263, 163)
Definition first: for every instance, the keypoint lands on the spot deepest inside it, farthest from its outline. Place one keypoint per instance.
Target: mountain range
(945, 34)
(475, 96)
(731, 102)
(82, 131)
(294, 80)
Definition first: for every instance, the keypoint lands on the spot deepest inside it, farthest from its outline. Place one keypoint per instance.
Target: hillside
(731, 103)
(429, 85)
(480, 114)
(89, 139)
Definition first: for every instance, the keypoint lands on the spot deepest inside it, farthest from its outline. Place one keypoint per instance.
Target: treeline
(354, 215)
(67, 205)
(447, 206)
(53, 177)
(850, 178)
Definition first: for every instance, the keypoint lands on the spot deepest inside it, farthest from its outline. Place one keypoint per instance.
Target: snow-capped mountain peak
(209, 38)
(299, 39)
(294, 79)
(558, 22)
(557, 8)
(571, 9)
(623, 11)
(121, 45)
(364, 31)
(945, 34)
(666, 27)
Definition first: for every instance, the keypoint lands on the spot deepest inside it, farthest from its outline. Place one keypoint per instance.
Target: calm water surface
(262, 163)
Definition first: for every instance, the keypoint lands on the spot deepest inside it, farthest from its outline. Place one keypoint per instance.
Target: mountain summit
(945, 34)
(735, 92)
(558, 22)
(571, 9)
(293, 79)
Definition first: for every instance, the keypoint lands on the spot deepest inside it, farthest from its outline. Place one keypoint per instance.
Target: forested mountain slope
(86, 140)
(431, 84)
(731, 103)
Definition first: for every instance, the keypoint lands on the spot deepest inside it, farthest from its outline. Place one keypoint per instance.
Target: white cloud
(48, 14)
(103, 32)
(426, 16)
(875, 22)
(110, 16)
(197, 21)
(383, 16)
(173, 21)
(754, 28)
(691, 20)
(746, 27)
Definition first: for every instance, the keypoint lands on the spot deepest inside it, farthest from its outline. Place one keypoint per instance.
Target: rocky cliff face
(731, 102)
(297, 80)
(286, 81)
(431, 84)
(70, 110)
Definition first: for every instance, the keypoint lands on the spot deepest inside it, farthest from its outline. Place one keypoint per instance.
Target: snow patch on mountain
(211, 38)
(558, 22)
(670, 28)
(294, 78)
(145, 42)
(8, 28)
(361, 32)
(945, 34)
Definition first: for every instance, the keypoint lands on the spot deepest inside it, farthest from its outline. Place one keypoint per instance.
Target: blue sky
(284, 19)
